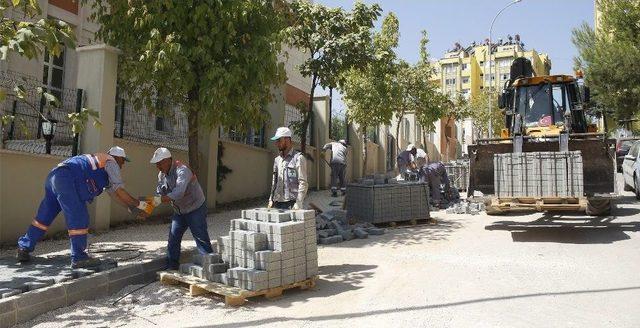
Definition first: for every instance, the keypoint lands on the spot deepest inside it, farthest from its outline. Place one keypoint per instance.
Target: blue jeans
(197, 222)
(60, 195)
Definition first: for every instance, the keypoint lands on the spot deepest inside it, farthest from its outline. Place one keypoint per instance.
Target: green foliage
(477, 109)
(334, 40)
(368, 91)
(610, 57)
(215, 59)
(338, 128)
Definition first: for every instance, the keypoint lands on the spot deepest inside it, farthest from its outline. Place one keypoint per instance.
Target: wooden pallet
(412, 222)
(503, 205)
(233, 296)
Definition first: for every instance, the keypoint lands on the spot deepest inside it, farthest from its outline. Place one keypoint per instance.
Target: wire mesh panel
(292, 116)
(253, 137)
(338, 124)
(24, 133)
(167, 130)
(458, 172)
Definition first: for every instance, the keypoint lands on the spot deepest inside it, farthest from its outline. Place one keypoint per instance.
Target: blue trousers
(60, 195)
(197, 222)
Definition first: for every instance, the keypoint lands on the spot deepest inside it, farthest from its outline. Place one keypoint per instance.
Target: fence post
(76, 136)
(97, 74)
(40, 117)
(13, 122)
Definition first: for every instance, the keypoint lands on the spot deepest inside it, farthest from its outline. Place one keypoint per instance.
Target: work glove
(270, 205)
(296, 206)
(138, 213)
(145, 207)
(157, 200)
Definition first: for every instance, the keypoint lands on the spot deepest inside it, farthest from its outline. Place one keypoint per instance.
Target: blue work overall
(68, 188)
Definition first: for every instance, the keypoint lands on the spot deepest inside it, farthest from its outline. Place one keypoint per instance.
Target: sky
(543, 25)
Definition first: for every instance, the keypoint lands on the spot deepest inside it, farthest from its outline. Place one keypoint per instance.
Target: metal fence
(167, 130)
(24, 133)
(251, 136)
(291, 116)
(338, 127)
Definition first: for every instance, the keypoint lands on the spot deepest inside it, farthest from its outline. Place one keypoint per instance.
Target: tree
(28, 38)
(610, 57)
(335, 42)
(369, 90)
(216, 60)
(476, 108)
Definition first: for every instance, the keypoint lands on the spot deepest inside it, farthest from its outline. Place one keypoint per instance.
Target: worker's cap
(410, 147)
(118, 151)
(282, 132)
(342, 141)
(420, 153)
(160, 154)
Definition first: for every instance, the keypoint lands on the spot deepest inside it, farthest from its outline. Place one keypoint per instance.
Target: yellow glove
(157, 200)
(145, 207)
(296, 206)
(270, 205)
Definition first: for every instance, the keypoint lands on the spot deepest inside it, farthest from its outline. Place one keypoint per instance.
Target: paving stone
(197, 271)
(237, 273)
(300, 243)
(299, 252)
(33, 285)
(219, 278)
(288, 263)
(279, 216)
(287, 280)
(32, 310)
(327, 233)
(268, 256)
(299, 235)
(288, 271)
(8, 292)
(216, 268)
(275, 282)
(375, 231)
(277, 274)
(331, 240)
(185, 268)
(78, 273)
(312, 256)
(254, 285)
(303, 215)
(257, 275)
(124, 272)
(360, 233)
(347, 235)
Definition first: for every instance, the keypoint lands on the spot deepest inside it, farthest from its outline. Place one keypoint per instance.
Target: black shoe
(334, 194)
(23, 255)
(89, 262)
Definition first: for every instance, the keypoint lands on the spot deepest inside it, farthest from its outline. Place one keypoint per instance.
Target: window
(504, 63)
(449, 69)
(53, 73)
(465, 67)
(251, 136)
(465, 80)
(450, 81)
(493, 77)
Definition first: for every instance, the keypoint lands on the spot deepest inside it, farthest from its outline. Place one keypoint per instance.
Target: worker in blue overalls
(68, 188)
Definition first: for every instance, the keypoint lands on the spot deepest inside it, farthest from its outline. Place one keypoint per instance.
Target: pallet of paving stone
(233, 296)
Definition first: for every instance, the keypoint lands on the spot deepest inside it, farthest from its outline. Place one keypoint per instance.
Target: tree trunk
(398, 133)
(364, 151)
(194, 158)
(307, 117)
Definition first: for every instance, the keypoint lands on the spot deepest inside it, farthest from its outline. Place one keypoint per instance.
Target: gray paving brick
(281, 238)
(8, 292)
(303, 215)
(312, 271)
(217, 268)
(157, 264)
(275, 282)
(257, 275)
(268, 256)
(299, 260)
(288, 263)
(185, 268)
(268, 266)
(299, 235)
(7, 305)
(33, 285)
(254, 286)
(312, 256)
(287, 280)
(219, 278)
(39, 295)
(280, 216)
(275, 274)
(288, 254)
(288, 271)
(237, 273)
(197, 271)
(300, 243)
(299, 252)
(125, 271)
(78, 273)
(116, 285)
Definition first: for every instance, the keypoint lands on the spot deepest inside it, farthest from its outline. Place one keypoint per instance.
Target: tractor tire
(598, 207)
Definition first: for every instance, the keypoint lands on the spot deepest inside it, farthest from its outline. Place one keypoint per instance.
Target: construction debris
(333, 227)
(465, 207)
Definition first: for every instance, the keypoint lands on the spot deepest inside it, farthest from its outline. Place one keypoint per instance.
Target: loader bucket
(597, 154)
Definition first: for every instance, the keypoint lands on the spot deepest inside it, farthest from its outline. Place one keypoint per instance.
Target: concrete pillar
(208, 151)
(97, 73)
(322, 118)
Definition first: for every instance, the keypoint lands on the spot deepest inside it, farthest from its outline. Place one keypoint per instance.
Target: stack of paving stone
(465, 207)
(539, 174)
(458, 172)
(333, 227)
(266, 248)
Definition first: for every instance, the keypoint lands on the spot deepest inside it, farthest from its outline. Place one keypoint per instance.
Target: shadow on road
(351, 315)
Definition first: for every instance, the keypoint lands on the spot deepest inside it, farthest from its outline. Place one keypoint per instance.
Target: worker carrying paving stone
(68, 188)
(179, 186)
(435, 174)
(338, 166)
(406, 161)
(289, 183)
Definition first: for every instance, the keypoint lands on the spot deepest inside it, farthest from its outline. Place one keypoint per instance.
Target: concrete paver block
(216, 268)
(287, 280)
(275, 282)
(197, 271)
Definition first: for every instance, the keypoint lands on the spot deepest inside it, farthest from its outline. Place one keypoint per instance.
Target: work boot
(334, 194)
(89, 262)
(23, 255)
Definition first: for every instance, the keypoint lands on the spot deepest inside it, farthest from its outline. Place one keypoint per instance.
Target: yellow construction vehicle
(545, 114)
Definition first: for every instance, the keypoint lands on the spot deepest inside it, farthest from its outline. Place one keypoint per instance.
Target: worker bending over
(289, 183)
(338, 165)
(68, 188)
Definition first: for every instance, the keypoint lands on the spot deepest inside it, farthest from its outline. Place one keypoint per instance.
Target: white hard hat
(118, 151)
(160, 154)
(420, 153)
(410, 147)
(282, 132)
(342, 141)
